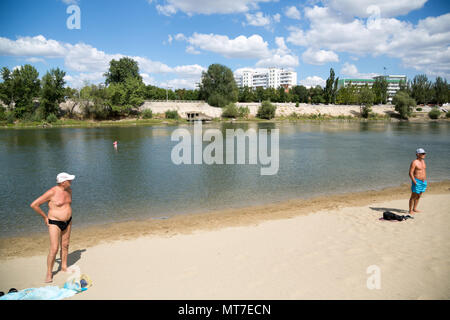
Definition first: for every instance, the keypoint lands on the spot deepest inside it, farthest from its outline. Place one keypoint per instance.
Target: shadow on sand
(72, 258)
(389, 209)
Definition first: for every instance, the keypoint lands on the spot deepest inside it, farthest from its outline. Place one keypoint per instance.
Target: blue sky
(175, 40)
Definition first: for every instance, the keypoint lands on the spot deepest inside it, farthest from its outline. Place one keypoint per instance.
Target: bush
(51, 118)
(403, 104)
(147, 114)
(447, 115)
(418, 109)
(434, 114)
(2, 114)
(296, 104)
(243, 112)
(266, 111)
(366, 110)
(10, 117)
(172, 114)
(230, 111)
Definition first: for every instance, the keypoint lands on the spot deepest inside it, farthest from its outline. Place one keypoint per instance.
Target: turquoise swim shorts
(419, 187)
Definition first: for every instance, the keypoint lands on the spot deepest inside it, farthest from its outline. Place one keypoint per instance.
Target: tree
(19, 88)
(266, 111)
(316, 95)
(379, 88)
(121, 70)
(123, 97)
(403, 104)
(218, 86)
(441, 91)
(421, 89)
(246, 94)
(330, 90)
(366, 98)
(300, 94)
(52, 93)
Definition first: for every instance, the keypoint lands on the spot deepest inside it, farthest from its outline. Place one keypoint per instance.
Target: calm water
(139, 179)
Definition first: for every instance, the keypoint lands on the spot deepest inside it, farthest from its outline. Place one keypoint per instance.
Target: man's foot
(411, 212)
(49, 279)
(415, 210)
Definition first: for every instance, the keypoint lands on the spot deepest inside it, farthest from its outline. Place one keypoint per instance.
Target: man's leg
(65, 238)
(55, 234)
(416, 202)
(412, 201)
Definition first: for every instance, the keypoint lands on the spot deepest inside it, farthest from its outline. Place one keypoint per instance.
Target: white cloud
(32, 46)
(35, 60)
(79, 80)
(280, 57)
(239, 47)
(89, 62)
(313, 81)
(386, 8)
(319, 57)
(180, 83)
(258, 19)
(413, 44)
(292, 12)
(147, 79)
(350, 70)
(192, 7)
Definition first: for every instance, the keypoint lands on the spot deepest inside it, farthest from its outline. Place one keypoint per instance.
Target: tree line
(29, 98)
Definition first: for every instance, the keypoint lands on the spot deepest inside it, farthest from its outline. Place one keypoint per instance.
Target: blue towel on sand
(44, 293)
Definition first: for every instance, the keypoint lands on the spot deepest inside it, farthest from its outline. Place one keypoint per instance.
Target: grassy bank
(155, 121)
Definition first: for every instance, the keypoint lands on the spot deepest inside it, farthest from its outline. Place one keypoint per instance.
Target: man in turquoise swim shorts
(418, 175)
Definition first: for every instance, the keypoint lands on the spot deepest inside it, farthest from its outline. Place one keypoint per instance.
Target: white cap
(420, 150)
(63, 176)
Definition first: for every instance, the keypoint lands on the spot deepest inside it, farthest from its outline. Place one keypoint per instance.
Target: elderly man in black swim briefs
(59, 220)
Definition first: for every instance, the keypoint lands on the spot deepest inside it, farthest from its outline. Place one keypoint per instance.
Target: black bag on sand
(387, 215)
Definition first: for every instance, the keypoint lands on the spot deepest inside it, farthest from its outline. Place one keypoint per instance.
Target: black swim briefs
(61, 224)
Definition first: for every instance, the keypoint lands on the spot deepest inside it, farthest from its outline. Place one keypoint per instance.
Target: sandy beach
(318, 248)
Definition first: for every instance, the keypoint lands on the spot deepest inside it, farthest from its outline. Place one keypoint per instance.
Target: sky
(174, 41)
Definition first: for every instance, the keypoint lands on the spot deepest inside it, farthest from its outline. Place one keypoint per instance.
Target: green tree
(19, 88)
(124, 97)
(316, 95)
(379, 88)
(330, 91)
(300, 94)
(52, 93)
(403, 104)
(95, 102)
(246, 94)
(441, 91)
(218, 86)
(120, 70)
(421, 89)
(366, 98)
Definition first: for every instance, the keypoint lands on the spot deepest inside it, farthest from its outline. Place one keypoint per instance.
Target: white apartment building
(272, 78)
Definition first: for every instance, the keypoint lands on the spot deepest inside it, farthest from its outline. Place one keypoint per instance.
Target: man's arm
(411, 171)
(41, 200)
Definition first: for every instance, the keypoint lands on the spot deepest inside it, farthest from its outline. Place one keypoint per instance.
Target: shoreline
(89, 236)
(71, 123)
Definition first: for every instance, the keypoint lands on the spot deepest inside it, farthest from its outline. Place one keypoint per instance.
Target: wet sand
(318, 248)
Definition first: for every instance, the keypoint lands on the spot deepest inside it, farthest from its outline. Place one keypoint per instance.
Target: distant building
(392, 80)
(272, 78)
